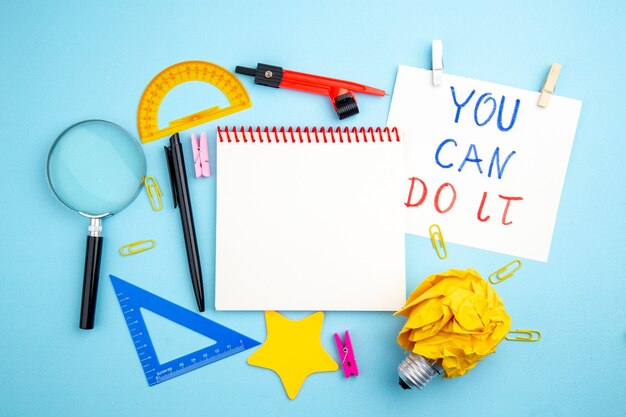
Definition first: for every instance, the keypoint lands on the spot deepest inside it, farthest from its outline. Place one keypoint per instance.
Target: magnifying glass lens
(96, 168)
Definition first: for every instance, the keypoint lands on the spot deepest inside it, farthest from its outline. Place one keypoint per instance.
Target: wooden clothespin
(549, 85)
(437, 61)
(347, 356)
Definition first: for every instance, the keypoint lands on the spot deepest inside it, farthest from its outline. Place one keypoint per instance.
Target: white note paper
(482, 160)
(309, 226)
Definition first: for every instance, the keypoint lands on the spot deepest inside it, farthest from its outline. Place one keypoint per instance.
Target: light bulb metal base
(415, 371)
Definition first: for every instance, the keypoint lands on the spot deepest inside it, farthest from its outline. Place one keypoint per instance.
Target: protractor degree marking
(180, 73)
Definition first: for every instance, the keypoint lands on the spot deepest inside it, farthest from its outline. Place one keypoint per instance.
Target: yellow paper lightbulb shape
(454, 319)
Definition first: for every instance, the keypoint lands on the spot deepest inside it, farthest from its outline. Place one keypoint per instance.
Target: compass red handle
(341, 92)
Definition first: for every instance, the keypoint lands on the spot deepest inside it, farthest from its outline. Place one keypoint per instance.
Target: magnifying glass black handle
(90, 282)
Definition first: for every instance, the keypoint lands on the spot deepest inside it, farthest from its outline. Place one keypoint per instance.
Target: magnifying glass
(95, 168)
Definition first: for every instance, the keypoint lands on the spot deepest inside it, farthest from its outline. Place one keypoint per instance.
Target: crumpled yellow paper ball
(456, 318)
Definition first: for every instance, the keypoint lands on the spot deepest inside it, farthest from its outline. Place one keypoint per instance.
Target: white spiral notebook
(309, 219)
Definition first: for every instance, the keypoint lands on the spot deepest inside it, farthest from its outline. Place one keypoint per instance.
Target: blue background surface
(61, 62)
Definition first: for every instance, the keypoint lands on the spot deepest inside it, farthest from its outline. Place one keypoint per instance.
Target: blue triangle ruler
(133, 298)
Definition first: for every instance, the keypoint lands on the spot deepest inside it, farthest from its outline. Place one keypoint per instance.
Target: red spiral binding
(307, 135)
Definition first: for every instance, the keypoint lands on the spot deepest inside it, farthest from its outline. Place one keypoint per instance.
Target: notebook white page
(309, 226)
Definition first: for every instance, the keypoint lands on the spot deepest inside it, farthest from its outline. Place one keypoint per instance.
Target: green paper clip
(436, 238)
(505, 272)
(152, 187)
(529, 335)
(136, 247)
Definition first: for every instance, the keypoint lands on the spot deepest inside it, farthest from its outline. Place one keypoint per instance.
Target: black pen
(180, 192)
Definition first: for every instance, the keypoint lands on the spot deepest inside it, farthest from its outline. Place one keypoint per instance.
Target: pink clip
(347, 356)
(200, 155)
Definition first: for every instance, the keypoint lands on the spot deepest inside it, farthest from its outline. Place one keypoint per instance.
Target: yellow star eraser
(293, 350)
